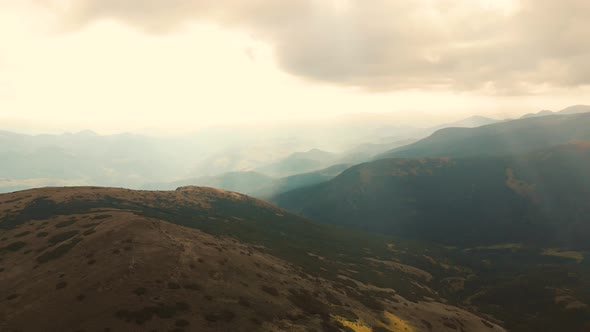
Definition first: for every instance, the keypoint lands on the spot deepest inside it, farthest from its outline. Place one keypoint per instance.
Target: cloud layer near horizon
(493, 47)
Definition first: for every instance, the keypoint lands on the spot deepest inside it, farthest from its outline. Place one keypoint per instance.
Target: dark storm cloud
(389, 45)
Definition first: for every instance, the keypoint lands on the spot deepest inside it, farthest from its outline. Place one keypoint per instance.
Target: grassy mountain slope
(202, 259)
(519, 224)
(538, 198)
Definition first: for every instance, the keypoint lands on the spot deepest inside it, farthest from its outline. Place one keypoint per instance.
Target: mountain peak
(575, 109)
(87, 132)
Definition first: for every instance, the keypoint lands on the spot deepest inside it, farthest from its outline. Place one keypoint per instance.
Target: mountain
(367, 151)
(85, 158)
(253, 183)
(538, 114)
(577, 109)
(470, 122)
(243, 182)
(539, 198)
(203, 259)
(523, 220)
(316, 159)
(131, 160)
(505, 138)
(299, 162)
(298, 181)
(86, 132)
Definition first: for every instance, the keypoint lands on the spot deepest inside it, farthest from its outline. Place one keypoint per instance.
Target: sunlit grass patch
(356, 326)
(556, 252)
(391, 323)
(503, 246)
(500, 246)
(397, 324)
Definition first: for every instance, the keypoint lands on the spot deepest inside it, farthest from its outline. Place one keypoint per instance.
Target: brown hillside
(111, 269)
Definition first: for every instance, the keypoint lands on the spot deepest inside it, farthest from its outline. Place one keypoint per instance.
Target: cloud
(498, 47)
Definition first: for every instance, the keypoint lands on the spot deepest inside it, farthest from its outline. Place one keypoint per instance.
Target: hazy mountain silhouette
(577, 109)
(505, 138)
(253, 183)
(470, 122)
(299, 162)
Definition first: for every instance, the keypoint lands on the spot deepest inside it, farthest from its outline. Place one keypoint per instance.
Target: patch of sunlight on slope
(501, 246)
(397, 324)
(356, 326)
(556, 252)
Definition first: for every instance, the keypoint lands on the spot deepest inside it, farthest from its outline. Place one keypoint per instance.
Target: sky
(178, 65)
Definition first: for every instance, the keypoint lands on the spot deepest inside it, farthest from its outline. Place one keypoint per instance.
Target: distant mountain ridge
(253, 183)
(243, 182)
(576, 109)
(299, 162)
(470, 122)
(504, 138)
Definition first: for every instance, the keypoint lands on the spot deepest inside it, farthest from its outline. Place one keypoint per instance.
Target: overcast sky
(114, 65)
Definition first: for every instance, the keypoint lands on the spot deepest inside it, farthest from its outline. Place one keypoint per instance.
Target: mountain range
(576, 109)
(136, 161)
(514, 195)
(480, 228)
(504, 138)
(254, 183)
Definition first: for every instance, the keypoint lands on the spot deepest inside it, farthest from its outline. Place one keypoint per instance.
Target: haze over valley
(317, 166)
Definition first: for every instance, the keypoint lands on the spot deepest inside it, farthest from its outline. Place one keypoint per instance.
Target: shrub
(379, 329)
(333, 326)
(89, 231)
(15, 246)
(146, 313)
(243, 301)
(366, 299)
(173, 285)
(140, 291)
(220, 316)
(101, 216)
(450, 325)
(308, 303)
(193, 286)
(270, 290)
(22, 234)
(62, 237)
(65, 223)
(57, 252)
